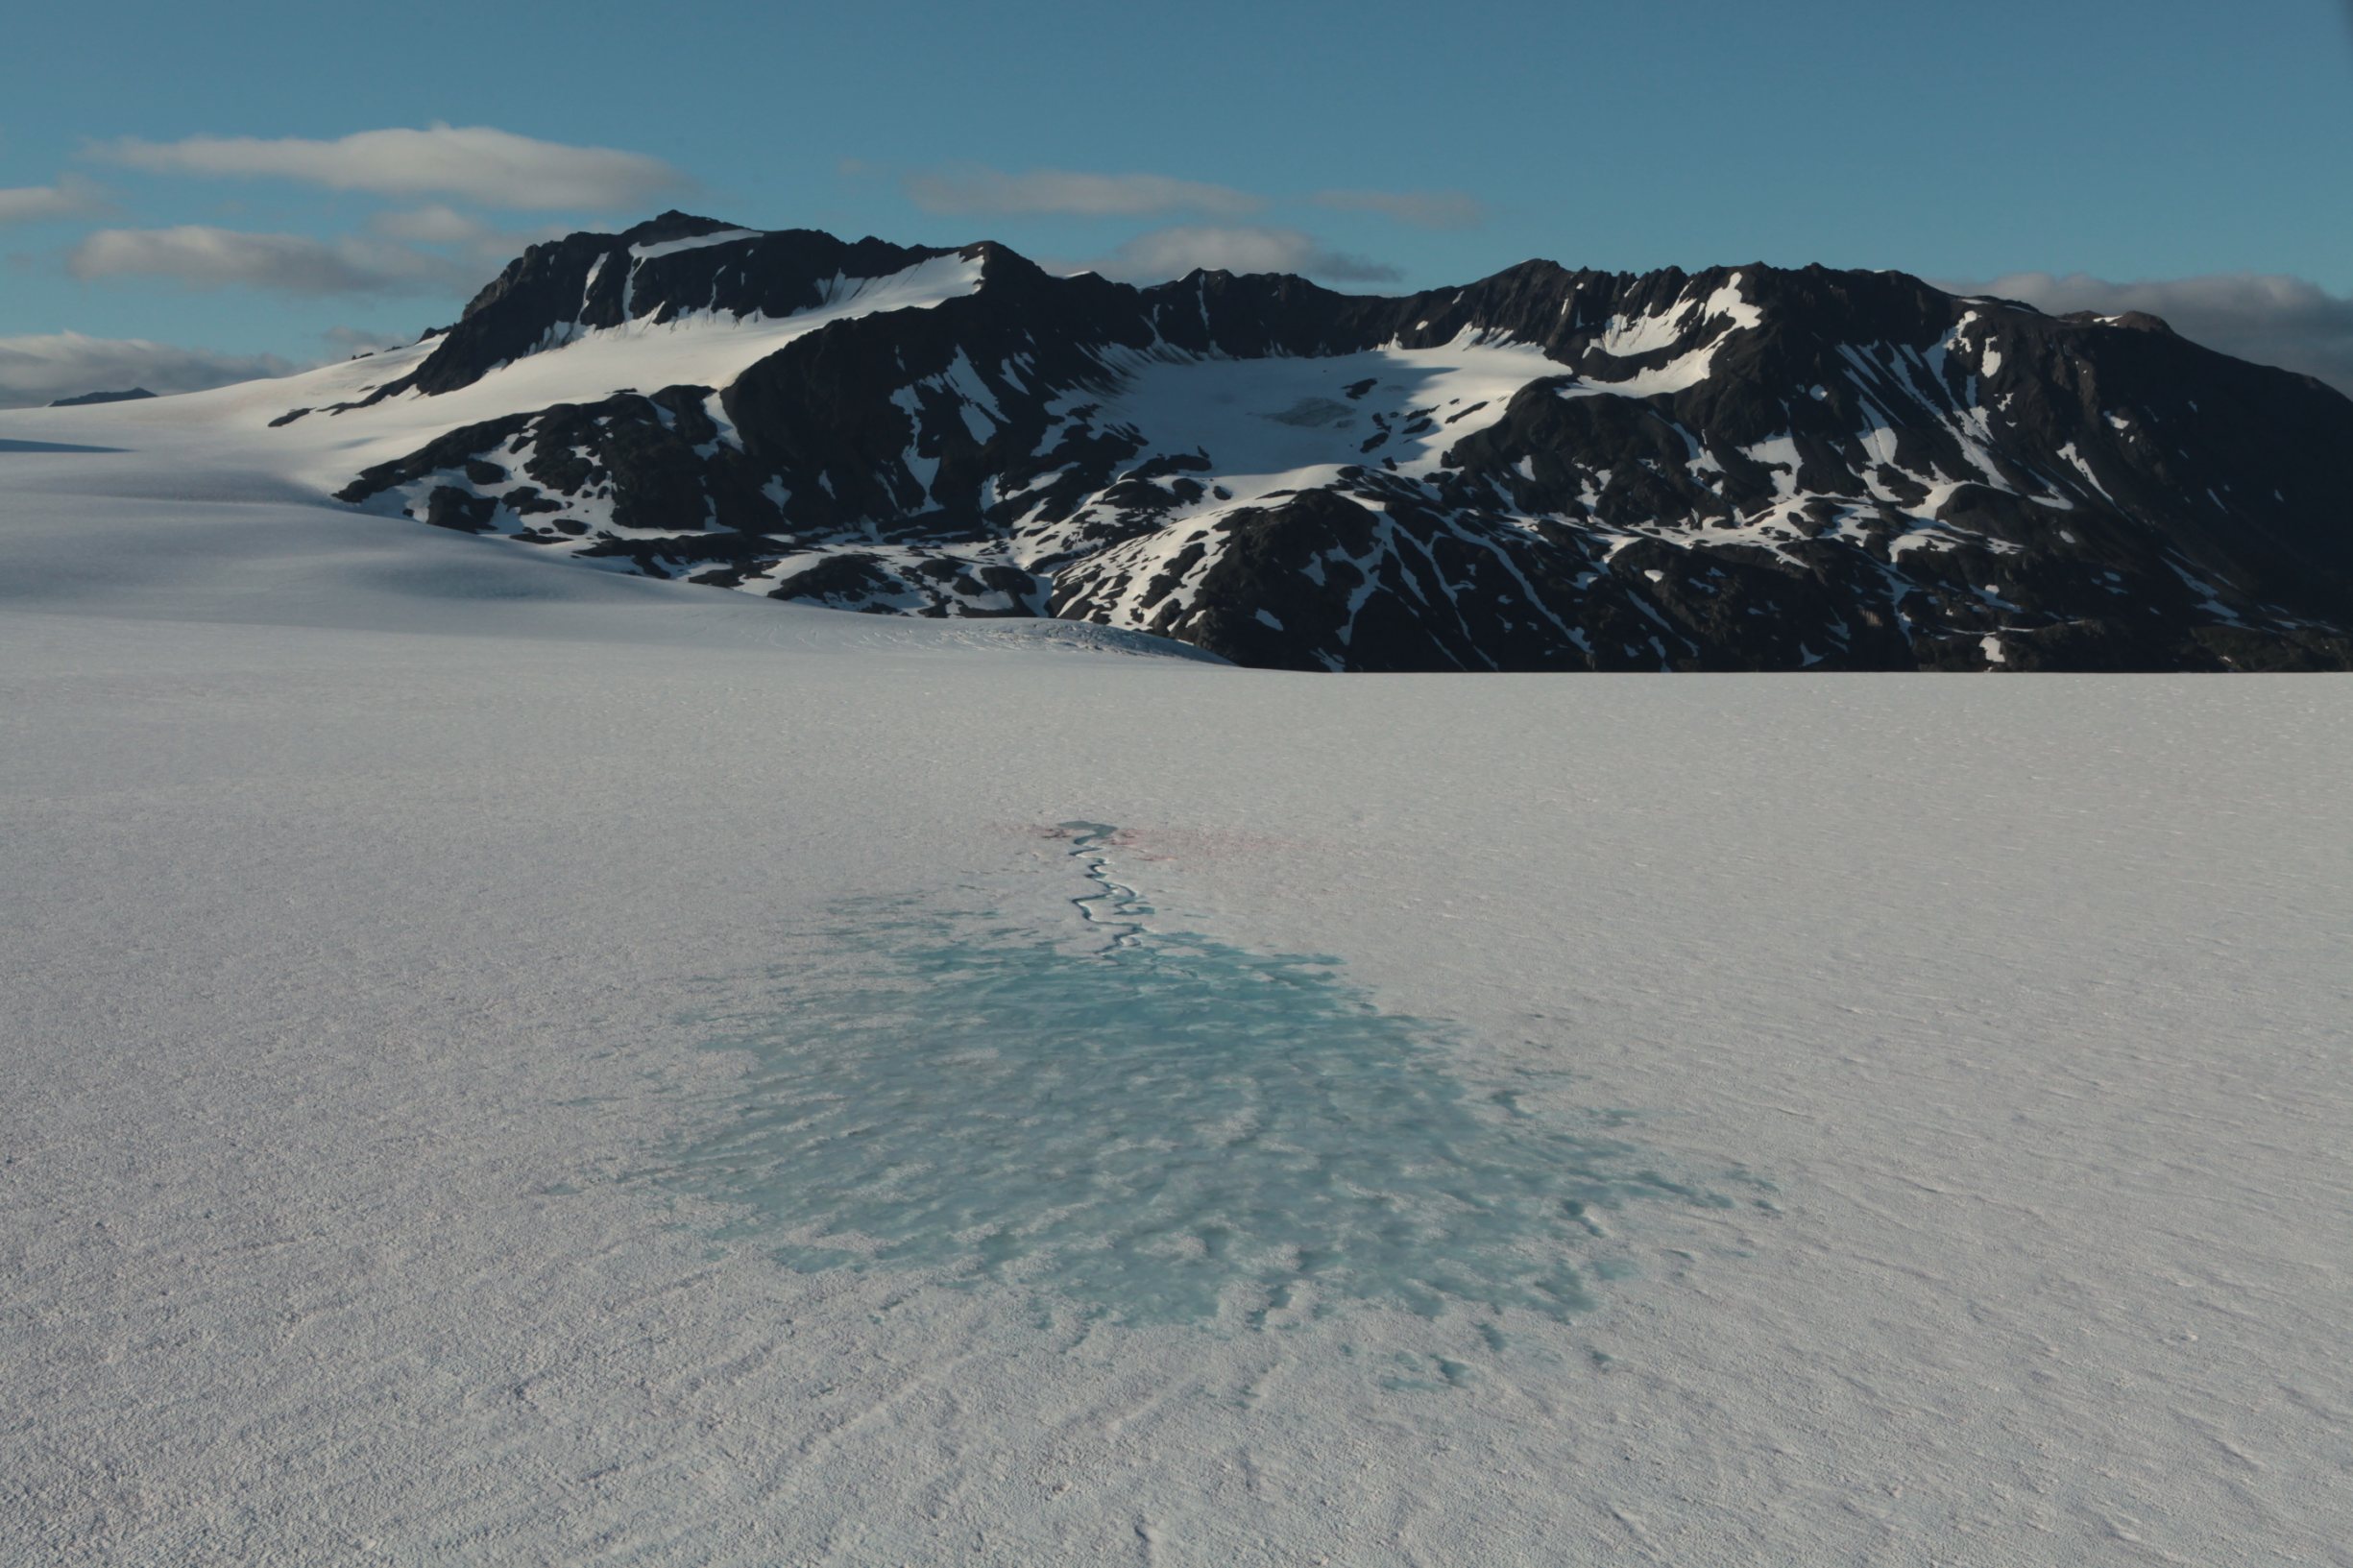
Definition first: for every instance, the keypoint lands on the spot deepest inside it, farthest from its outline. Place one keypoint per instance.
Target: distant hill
(89, 398)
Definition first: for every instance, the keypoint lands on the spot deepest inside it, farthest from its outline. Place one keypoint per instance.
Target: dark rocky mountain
(1745, 467)
(85, 399)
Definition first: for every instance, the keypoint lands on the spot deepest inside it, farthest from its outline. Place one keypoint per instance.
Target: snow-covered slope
(246, 428)
(1749, 468)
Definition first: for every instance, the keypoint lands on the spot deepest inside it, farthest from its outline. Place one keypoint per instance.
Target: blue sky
(2163, 144)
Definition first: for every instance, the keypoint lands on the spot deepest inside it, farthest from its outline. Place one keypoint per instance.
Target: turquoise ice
(1163, 1128)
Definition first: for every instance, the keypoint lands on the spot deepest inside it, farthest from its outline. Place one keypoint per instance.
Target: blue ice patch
(1161, 1127)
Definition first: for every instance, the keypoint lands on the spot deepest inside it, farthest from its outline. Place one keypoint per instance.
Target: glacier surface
(374, 903)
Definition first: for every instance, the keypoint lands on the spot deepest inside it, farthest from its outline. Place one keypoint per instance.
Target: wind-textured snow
(397, 932)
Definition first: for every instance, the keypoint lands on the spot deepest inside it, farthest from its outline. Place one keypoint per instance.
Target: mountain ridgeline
(1741, 468)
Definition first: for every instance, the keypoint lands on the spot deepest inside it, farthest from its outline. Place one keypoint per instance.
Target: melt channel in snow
(1156, 1127)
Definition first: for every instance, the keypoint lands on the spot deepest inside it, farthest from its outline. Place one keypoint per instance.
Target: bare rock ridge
(1748, 468)
(88, 398)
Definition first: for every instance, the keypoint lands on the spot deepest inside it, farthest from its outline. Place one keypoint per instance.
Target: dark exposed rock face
(1739, 468)
(132, 396)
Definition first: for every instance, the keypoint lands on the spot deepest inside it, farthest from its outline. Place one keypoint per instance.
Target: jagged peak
(1000, 263)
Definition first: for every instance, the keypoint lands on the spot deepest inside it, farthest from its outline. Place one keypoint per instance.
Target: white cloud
(42, 368)
(71, 197)
(976, 189)
(1422, 209)
(433, 225)
(205, 257)
(481, 163)
(2266, 318)
(484, 245)
(1163, 254)
(972, 188)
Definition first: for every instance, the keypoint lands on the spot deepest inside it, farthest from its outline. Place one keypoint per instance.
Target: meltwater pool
(1156, 1127)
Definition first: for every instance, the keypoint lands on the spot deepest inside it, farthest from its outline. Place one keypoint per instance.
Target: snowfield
(244, 427)
(464, 1015)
